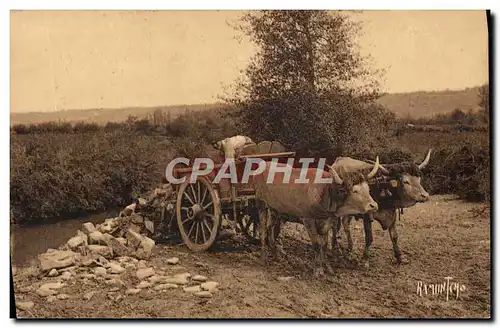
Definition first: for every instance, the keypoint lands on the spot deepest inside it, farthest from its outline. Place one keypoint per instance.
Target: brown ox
(316, 204)
(405, 190)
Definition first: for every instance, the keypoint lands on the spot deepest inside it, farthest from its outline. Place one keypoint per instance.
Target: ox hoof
(401, 260)
(329, 269)
(318, 273)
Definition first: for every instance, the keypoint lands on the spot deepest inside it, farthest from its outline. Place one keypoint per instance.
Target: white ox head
(355, 192)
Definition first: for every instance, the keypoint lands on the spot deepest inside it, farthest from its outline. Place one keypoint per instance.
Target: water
(29, 241)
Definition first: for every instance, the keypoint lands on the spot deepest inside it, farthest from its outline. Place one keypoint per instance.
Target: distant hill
(429, 103)
(103, 115)
(416, 104)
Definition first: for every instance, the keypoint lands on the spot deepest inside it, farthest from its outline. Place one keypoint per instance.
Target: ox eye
(355, 191)
(406, 182)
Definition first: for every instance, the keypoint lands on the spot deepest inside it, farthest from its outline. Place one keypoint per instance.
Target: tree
(307, 85)
(484, 100)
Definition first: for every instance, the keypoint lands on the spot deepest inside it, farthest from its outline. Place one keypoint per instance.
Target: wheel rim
(198, 214)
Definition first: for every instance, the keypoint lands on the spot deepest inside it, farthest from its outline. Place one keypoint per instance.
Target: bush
(54, 176)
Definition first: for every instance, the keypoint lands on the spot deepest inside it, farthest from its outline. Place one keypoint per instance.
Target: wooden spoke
(189, 198)
(194, 194)
(206, 206)
(204, 195)
(206, 225)
(186, 220)
(196, 234)
(203, 231)
(191, 230)
(198, 184)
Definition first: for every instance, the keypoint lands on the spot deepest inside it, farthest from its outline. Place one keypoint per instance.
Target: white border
(189, 5)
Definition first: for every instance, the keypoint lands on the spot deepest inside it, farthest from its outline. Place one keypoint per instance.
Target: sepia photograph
(250, 164)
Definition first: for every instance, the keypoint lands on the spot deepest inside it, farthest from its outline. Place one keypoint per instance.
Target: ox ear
(426, 160)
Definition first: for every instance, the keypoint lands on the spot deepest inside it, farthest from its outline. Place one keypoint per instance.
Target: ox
(316, 204)
(404, 190)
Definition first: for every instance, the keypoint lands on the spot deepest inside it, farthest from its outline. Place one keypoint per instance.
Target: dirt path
(443, 237)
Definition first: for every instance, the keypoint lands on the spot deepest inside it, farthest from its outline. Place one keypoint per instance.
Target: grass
(59, 172)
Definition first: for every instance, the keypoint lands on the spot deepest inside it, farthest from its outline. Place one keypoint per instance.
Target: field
(62, 172)
(444, 237)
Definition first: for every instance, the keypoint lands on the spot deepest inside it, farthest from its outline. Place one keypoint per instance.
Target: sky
(111, 59)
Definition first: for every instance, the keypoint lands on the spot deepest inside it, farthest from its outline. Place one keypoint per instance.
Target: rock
(96, 238)
(88, 296)
(133, 291)
(45, 292)
(199, 278)
(129, 266)
(284, 278)
(115, 281)
(107, 237)
(173, 260)
(149, 225)
(101, 250)
(144, 273)
(114, 289)
(192, 289)
(142, 264)
(122, 241)
(165, 286)
(88, 276)
(154, 279)
(100, 271)
(106, 226)
(117, 247)
(76, 241)
(136, 218)
(53, 273)
(210, 286)
(66, 275)
(24, 305)
(204, 294)
(134, 239)
(145, 248)
(116, 268)
(50, 299)
(88, 228)
(62, 296)
(144, 284)
(179, 279)
(57, 259)
(84, 236)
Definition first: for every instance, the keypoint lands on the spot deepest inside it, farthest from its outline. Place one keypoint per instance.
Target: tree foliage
(307, 85)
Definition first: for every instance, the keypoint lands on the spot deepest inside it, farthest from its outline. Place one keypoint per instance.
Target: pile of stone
(114, 237)
(126, 235)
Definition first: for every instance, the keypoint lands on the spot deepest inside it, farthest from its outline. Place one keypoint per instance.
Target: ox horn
(374, 170)
(336, 177)
(426, 160)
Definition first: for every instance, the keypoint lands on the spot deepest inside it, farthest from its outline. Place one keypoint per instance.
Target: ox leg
(312, 231)
(264, 221)
(277, 226)
(393, 233)
(335, 232)
(346, 222)
(367, 225)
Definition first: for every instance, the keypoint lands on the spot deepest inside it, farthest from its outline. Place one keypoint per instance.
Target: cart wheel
(198, 214)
